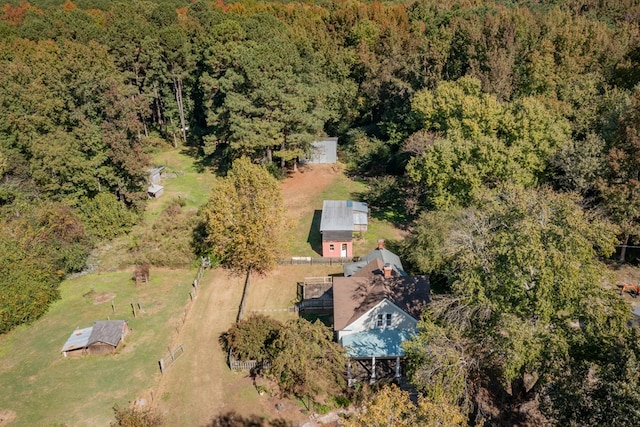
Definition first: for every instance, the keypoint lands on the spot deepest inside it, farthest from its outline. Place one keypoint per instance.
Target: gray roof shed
(323, 152)
(107, 331)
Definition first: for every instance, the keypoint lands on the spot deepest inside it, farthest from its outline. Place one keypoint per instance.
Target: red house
(340, 219)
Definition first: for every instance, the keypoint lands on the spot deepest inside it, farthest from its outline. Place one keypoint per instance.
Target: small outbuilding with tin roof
(104, 337)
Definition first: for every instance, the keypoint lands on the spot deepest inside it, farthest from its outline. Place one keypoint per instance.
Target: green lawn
(185, 181)
(43, 388)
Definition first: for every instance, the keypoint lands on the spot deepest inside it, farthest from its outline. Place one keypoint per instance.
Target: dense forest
(503, 135)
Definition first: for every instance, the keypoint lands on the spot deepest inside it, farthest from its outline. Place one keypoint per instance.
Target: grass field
(275, 293)
(185, 180)
(41, 387)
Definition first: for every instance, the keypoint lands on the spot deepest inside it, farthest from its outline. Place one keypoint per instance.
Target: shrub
(134, 417)
(106, 217)
(168, 243)
(250, 338)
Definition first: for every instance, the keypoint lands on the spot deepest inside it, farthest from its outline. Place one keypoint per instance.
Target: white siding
(369, 320)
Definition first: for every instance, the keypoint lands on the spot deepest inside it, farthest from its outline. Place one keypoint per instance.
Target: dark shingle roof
(337, 236)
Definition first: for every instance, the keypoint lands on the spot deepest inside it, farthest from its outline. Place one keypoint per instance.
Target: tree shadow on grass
(315, 237)
(233, 419)
(388, 198)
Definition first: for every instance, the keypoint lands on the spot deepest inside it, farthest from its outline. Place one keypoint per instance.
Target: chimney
(387, 271)
(380, 243)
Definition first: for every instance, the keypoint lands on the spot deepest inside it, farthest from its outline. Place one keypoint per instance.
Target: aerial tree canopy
(391, 406)
(527, 299)
(306, 361)
(244, 219)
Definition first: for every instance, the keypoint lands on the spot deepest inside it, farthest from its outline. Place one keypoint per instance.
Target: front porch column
(397, 367)
(373, 370)
(349, 379)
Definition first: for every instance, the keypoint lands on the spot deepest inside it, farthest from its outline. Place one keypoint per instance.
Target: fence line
(248, 365)
(274, 310)
(167, 362)
(318, 280)
(307, 260)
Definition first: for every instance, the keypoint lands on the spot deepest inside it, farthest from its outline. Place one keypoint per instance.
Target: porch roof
(376, 342)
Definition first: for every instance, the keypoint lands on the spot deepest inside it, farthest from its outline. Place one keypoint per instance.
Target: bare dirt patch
(301, 186)
(6, 417)
(626, 274)
(101, 297)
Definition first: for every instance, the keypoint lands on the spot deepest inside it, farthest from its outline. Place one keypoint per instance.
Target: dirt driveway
(200, 385)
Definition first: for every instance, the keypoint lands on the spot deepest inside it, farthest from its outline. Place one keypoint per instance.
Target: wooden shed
(104, 337)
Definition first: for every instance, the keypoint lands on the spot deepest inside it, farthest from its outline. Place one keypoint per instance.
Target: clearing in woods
(200, 386)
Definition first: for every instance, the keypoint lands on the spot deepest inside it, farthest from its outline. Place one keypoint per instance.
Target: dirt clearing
(301, 187)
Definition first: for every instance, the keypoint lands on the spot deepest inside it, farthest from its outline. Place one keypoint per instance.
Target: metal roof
(154, 188)
(78, 339)
(383, 254)
(361, 207)
(336, 216)
(341, 215)
(153, 171)
(324, 151)
(376, 342)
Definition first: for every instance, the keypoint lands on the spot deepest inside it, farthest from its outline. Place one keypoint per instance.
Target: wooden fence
(248, 365)
(204, 263)
(167, 362)
(307, 260)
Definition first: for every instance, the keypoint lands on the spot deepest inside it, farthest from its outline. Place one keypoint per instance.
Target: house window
(383, 319)
(331, 248)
